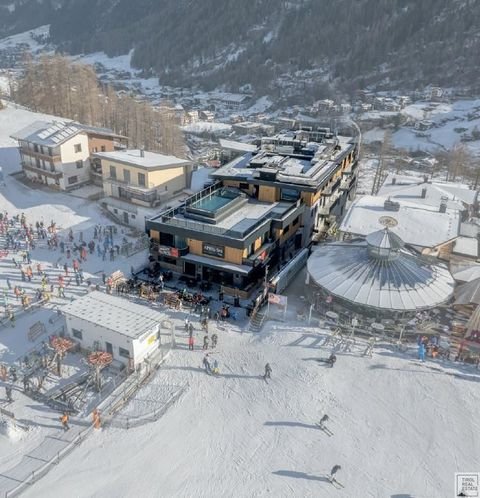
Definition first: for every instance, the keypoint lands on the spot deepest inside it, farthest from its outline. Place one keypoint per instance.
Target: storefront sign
(164, 250)
(168, 251)
(213, 250)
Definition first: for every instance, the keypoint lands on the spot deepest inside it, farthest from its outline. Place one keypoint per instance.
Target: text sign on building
(213, 250)
(168, 251)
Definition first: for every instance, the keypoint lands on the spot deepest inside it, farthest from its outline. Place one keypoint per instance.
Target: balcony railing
(45, 172)
(46, 157)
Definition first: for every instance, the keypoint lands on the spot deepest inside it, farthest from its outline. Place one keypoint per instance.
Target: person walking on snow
(206, 364)
(8, 393)
(268, 371)
(64, 420)
(191, 342)
(421, 352)
(205, 342)
(214, 341)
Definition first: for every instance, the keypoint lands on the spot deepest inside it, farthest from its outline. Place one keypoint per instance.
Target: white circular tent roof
(379, 274)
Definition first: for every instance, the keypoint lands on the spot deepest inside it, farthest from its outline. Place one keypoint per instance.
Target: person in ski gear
(214, 341)
(268, 371)
(191, 342)
(334, 470)
(8, 393)
(190, 329)
(64, 420)
(324, 419)
(206, 364)
(331, 360)
(187, 323)
(421, 352)
(215, 369)
(205, 342)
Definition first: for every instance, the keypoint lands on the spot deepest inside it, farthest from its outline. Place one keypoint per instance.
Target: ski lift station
(130, 332)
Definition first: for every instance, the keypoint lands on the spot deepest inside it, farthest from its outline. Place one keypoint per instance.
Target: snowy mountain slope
(217, 42)
(400, 428)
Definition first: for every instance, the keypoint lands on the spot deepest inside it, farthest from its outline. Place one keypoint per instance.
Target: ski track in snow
(398, 426)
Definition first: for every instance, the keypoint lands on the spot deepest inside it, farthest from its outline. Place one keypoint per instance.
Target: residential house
(135, 177)
(58, 154)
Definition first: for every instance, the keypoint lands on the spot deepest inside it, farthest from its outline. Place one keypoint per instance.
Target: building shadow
(300, 475)
(291, 424)
(238, 376)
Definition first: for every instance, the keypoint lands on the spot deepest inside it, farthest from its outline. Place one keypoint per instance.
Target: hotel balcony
(39, 155)
(44, 172)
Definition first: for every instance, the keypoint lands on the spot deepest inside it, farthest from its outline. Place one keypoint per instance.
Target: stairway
(256, 322)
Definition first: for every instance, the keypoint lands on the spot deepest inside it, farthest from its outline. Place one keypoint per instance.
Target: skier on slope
(421, 352)
(214, 341)
(331, 360)
(324, 419)
(334, 470)
(268, 371)
(64, 420)
(206, 364)
(8, 392)
(205, 342)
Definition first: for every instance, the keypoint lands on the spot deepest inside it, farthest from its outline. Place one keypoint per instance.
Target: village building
(265, 206)
(59, 154)
(128, 331)
(376, 276)
(136, 178)
(422, 227)
(233, 101)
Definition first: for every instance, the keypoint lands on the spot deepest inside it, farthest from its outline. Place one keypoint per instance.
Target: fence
(53, 449)
(129, 421)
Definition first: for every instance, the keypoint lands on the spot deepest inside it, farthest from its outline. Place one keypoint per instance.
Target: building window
(95, 149)
(124, 352)
(72, 180)
(126, 175)
(115, 210)
(103, 148)
(289, 194)
(52, 168)
(77, 334)
(141, 179)
(295, 221)
(243, 186)
(79, 164)
(78, 147)
(113, 172)
(132, 216)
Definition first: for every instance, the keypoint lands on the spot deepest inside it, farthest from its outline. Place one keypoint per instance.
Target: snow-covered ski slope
(401, 428)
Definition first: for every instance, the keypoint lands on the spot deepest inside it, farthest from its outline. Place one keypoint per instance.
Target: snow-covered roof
(404, 283)
(58, 132)
(143, 159)
(468, 293)
(237, 146)
(415, 189)
(418, 225)
(467, 246)
(464, 271)
(114, 313)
